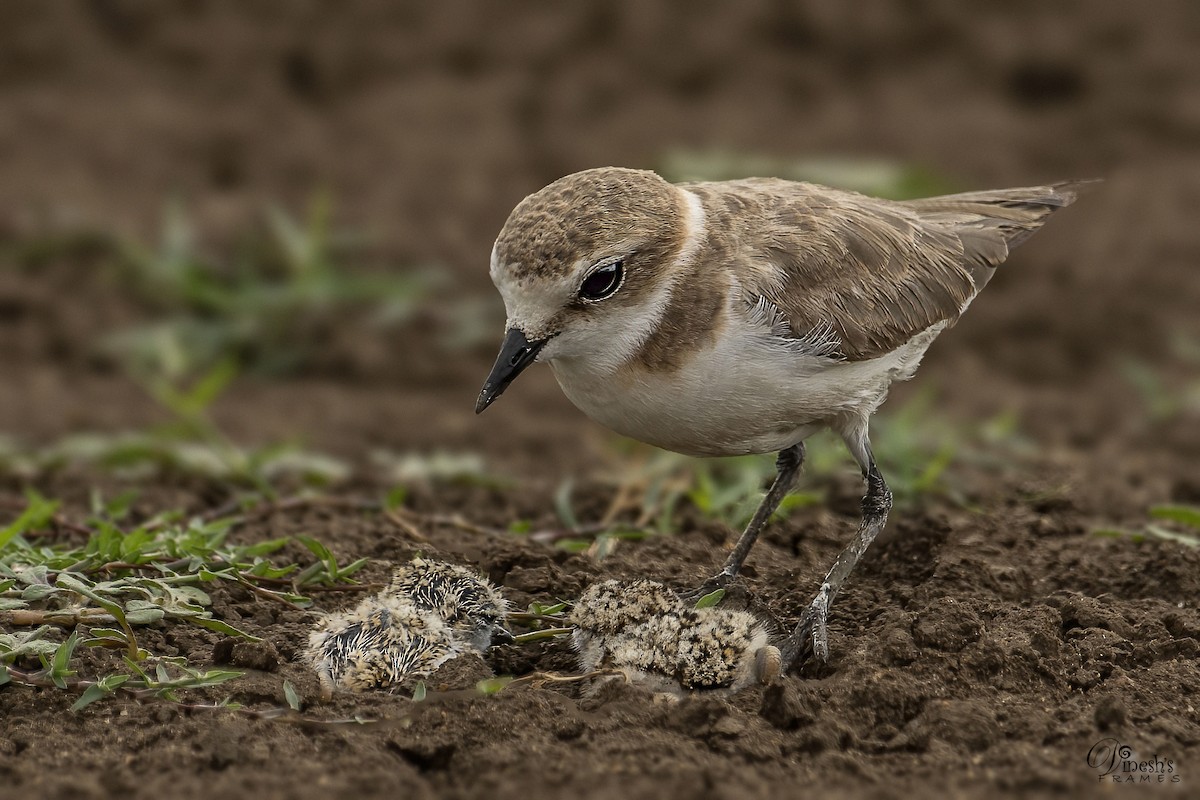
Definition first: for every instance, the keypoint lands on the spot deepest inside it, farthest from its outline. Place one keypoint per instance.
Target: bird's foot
(810, 637)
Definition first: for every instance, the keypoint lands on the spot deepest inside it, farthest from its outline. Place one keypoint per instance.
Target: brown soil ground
(980, 649)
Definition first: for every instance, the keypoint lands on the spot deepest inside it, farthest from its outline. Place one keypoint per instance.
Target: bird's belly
(744, 395)
(686, 424)
(721, 410)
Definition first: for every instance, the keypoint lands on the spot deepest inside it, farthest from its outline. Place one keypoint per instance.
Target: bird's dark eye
(603, 282)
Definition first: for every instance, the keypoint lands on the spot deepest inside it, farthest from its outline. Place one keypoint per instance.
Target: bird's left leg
(787, 470)
(809, 636)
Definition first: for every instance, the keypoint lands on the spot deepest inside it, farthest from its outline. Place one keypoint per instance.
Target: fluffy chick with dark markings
(430, 613)
(648, 632)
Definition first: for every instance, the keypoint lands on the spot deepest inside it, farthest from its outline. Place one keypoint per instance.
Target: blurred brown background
(425, 122)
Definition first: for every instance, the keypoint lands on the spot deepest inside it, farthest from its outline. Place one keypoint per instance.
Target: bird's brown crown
(590, 215)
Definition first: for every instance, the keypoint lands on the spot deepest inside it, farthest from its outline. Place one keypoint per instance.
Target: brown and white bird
(718, 319)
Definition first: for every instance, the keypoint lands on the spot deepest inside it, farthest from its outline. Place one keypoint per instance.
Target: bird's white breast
(746, 393)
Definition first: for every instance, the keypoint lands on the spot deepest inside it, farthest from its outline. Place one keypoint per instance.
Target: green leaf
(99, 690)
(711, 599)
(265, 569)
(210, 386)
(264, 548)
(211, 678)
(395, 498)
(563, 505)
(1172, 536)
(493, 685)
(419, 692)
(137, 669)
(32, 643)
(36, 515)
(109, 633)
(37, 591)
(319, 550)
(142, 612)
(1112, 533)
(77, 585)
(120, 505)
(190, 596)
(293, 698)
(547, 610)
(351, 568)
(222, 627)
(60, 662)
(1188, 515)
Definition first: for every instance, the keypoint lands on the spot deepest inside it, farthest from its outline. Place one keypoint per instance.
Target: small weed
(546, 620)
(122, 579)
(711, 599)
(440, 466)
(1168, 394)
(190, 444)
(1186, 518)
(292, 697)
(491, 686)
(913, 446)
(265, 309)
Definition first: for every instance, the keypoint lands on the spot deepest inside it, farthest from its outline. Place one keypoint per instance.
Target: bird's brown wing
(877, 271)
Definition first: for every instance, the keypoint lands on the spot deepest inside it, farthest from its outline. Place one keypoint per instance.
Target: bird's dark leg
(809, 637)
(787, 469)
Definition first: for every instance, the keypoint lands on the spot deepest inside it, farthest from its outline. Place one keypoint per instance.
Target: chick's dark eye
(603, 282)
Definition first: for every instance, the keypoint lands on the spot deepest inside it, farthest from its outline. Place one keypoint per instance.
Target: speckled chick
(628, 624)
(470, 606)
(724, 648)
(383, 640)
(430, 613)
(645, 630)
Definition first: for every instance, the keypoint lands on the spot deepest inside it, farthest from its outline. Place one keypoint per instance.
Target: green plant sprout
(263, 310)
(1167, 394)
(916, 448)
(1183, 516)
(122, 579)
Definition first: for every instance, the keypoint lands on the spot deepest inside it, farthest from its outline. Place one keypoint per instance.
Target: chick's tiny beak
(501, 635)
(516, 353)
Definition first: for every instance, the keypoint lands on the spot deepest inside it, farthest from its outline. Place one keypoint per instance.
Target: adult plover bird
(718, 319)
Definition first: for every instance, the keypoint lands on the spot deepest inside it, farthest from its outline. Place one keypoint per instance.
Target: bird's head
(585, 269)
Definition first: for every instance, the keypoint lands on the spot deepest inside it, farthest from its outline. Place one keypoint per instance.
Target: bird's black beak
(501, 635)
(516, 354)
